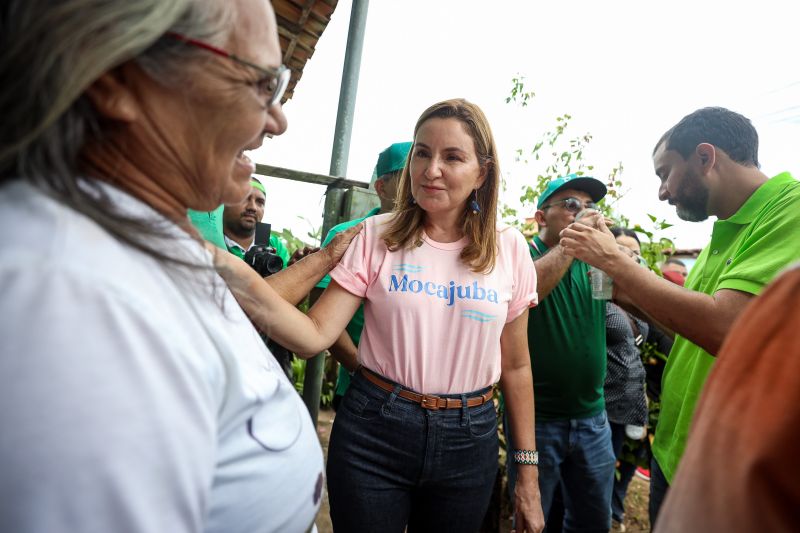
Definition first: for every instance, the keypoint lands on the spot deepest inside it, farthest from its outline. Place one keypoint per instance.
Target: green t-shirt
(567, 341)
(280, 249)
(746, 252)
(356, 324)
(209, 224)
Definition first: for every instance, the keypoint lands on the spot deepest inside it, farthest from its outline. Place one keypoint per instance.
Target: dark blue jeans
(393, 464)
(659, 486)
(576, 454)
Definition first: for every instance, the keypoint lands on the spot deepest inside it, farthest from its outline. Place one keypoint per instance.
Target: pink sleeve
(354, 272)
(523, 290)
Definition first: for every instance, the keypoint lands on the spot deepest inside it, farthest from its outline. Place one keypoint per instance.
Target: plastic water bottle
(602, 284)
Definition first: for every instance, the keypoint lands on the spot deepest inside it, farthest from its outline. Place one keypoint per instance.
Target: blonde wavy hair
(405, 227)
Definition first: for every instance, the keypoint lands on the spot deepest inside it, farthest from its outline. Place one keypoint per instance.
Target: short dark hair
(675, 262)
(619, 230)
(731, 132)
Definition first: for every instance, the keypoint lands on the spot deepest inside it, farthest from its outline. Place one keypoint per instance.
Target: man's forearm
(294, 282)
(550, 268)
(703, 319)
(638, 312)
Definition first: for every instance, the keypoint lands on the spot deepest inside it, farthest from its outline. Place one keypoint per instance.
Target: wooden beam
(308, 177)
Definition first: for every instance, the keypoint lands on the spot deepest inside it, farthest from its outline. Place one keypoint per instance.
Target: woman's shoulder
(507, 229)
(379, 220)
(370, 238)
(508, 235)
(376, 226)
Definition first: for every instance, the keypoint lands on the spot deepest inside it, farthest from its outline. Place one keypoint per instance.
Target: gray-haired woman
(135, 396)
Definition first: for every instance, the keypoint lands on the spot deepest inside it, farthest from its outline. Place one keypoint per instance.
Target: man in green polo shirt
(239, 224)
(567, 340)
(708, 166)
(384, 180)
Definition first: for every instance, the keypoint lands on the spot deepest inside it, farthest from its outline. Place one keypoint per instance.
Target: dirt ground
(636, 501)
(324, 425)
(636, 520)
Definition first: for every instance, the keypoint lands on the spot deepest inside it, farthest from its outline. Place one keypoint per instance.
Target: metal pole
(312, 383)
(347, 94)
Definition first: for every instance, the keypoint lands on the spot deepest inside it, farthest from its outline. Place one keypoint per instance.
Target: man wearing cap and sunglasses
(567, 340)
(384, 180)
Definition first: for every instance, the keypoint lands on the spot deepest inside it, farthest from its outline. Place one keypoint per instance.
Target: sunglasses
(573, 205)
(274, 81)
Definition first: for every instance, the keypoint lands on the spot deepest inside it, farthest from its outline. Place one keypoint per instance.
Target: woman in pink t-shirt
(446, 293)
(446, 296)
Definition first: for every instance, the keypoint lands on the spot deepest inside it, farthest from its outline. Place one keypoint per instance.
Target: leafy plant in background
(329, 376)
(555, 154)
(328, 380)
(299, 373)
(656, 249)
(294, 242)
(518, 94)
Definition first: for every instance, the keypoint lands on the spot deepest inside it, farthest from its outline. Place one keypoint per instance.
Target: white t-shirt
(430, 322)
(132, 399)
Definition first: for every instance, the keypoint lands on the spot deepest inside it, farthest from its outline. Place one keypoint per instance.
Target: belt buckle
(430, 402)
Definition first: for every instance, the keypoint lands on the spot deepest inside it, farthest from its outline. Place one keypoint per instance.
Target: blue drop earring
(474, 205)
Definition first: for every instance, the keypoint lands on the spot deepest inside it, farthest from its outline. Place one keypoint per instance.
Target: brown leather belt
(427, 401)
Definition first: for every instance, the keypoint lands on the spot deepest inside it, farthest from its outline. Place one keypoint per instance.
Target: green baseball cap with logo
(391, 160)
(595, 188)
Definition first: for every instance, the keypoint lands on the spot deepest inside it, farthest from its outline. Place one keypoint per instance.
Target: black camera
(261, 256)
(263, 259)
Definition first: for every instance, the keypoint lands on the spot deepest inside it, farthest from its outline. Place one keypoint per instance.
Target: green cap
(594, 187)
(391, 160)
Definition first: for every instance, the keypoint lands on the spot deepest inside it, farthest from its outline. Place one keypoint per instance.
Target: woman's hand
(339, 244)
(528, 515)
